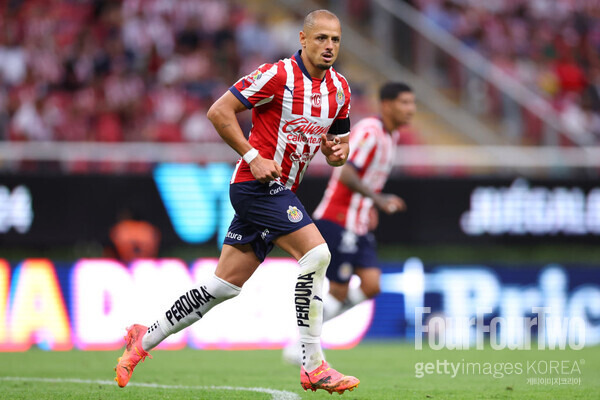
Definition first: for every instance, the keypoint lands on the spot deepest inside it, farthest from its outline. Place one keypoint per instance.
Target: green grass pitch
(387, 371)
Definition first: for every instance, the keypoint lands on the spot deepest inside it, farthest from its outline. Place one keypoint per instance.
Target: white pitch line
(276, 394)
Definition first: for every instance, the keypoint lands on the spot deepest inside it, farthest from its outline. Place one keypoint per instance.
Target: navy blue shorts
(263, 212)
(348, 250)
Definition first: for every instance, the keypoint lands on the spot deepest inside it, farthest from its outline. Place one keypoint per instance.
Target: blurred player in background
(299, 104)
(348, 212)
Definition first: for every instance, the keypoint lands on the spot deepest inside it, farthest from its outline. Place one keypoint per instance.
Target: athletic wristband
(250, 155)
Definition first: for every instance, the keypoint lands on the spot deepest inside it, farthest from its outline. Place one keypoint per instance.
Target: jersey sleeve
(258, 87)
(345, 111)
(341, 125)
(363, 147)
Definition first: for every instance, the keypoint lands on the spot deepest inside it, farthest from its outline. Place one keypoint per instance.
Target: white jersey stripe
(264, 101)
(363, 213)
(307, 94)
(324, 99)
(362, 149)
(237, 166)
(352, 216)
(338, 86)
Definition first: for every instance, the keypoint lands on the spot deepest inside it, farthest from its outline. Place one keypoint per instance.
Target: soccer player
(299, 104)
(346, 214)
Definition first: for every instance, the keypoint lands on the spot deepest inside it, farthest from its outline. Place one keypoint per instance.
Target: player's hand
(389, 203)
(265, 170)
(333, 150)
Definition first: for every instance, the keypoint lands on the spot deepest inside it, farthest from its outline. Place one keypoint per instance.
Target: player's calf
(308, 299)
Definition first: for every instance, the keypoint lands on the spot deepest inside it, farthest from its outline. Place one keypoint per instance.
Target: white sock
(308, 298)
(332, 307)
(355, 296)
(189, 308)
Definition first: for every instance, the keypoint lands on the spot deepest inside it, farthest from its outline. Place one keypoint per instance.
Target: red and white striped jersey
(290, 111)
(372, 152)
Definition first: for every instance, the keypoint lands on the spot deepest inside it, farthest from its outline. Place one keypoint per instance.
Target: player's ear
(303, 39)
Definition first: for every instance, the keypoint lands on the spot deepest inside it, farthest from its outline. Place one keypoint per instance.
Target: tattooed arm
(222, 114)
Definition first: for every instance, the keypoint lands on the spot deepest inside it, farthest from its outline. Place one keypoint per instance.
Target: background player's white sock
(308, 298)
(355, 296)
(189, 308)
(332, 307)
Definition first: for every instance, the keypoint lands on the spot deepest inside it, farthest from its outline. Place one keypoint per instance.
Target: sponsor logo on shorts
(278, 189)
(264, 234)
(234, 236)
(294, 215)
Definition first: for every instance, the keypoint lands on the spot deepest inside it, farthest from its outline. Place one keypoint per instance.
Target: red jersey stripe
(370, 157)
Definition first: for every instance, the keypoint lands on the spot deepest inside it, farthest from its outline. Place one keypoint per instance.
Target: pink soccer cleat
(327, 378)
(133, 354)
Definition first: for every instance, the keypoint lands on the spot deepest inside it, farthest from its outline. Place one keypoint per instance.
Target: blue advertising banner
(556, 305)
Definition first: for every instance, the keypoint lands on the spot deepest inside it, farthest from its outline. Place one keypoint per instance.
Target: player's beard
(324, 67)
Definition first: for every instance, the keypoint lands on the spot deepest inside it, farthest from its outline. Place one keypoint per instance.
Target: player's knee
(339, 291)
(317, 258)
(230, 294)
(371, 289)
(323, 255)
(222, 289)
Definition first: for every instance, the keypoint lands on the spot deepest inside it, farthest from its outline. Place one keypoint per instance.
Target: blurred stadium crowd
(133, 70)
(552, 46)
(146, 70)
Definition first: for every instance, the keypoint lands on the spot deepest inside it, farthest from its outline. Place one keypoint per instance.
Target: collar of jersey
(298, 59)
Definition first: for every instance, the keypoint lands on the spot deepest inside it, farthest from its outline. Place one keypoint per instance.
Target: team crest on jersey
(340, 97)
(316, 99)
(294, 215)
